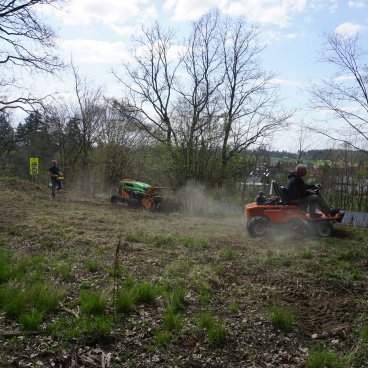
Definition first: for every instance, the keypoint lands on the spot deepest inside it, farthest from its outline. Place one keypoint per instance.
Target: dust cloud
(195, 199)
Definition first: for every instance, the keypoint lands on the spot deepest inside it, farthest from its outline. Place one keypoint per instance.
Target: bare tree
(150, 81)
(344, 96)
(88, 115)
(250, 100)
(25, 44)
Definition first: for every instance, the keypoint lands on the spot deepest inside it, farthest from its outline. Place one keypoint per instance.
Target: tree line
(194, 108)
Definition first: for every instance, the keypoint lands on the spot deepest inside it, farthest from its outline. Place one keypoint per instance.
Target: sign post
(33, 166)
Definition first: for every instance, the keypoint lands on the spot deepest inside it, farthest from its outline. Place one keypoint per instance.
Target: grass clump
(173, 320)
(92, 266)
(116, 271)
(63, 270)
(93, 302)
(306, 254)
(363, 334)
(322, 358)
(6, 268)
(145, 293)
(175, 299)
(19, 299)
(227, 254)
(135, 238)
(281, 318)
(86, 327)
(190, 242)
(162, 337)
(30, 321)
(125, 300)
(160, 240)
(217, 333)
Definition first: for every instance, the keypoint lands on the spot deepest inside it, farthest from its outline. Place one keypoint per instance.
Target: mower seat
(280, 192)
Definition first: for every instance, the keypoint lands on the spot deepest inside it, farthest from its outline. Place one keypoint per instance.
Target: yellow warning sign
(33, 165)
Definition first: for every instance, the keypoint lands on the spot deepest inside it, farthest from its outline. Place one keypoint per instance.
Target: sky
(96, 36)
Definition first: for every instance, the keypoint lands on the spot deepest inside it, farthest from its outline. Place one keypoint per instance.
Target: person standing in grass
(54, 173)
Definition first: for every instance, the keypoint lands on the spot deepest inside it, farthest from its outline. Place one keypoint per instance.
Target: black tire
(134, 203)
(257, 226)
(116, 199)
(323, 228)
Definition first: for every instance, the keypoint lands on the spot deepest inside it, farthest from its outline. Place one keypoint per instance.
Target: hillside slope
(87, 284)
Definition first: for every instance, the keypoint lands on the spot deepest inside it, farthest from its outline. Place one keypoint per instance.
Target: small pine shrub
(281, 318)
(322, 358)
(93, 302)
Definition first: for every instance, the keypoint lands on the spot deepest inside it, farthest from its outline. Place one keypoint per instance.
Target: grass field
(87, 284)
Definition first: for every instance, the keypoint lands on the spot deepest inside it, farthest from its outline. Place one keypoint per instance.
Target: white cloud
(288, 83)
(348, 29)
(110, 13)
(278, 12)
(94, 52)
(357, 4)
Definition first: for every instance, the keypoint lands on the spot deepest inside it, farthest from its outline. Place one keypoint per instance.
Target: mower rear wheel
(257, 226)
(323, 228)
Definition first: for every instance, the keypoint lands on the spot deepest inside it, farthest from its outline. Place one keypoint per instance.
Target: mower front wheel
(323, 228)
(257, 226)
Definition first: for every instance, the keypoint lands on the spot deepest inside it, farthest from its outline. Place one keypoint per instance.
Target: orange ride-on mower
(267, 213)
(137, 194)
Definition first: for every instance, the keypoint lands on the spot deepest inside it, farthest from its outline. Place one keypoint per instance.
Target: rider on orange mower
(307, 195)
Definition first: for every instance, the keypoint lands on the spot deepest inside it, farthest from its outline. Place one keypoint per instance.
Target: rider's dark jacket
(296, 187)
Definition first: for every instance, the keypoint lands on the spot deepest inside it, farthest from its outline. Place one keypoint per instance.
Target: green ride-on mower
(136, 194)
